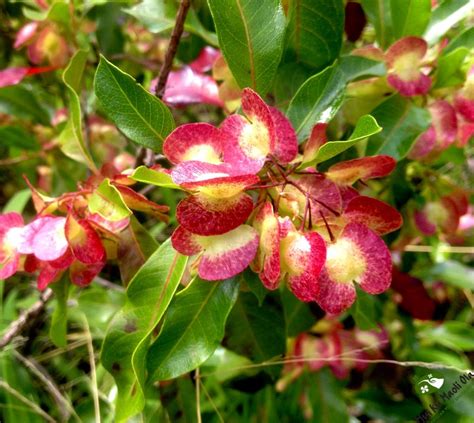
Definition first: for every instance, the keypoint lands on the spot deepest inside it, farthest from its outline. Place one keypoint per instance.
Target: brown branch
(172, 47)
(146, 155)
(26, 318)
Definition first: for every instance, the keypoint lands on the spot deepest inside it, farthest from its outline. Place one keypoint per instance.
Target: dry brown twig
(146, 155)
(26, 318)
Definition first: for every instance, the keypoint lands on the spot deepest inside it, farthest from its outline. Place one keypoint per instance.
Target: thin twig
(172, 47)
(346, 356)
(94, 388)
(441, 249)
(145, 155)
(19, 396)
(64, 407)
(107, 284)
(206, 392)
(26, 318)
(197, 379)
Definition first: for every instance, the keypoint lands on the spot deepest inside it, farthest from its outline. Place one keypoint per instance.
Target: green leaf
(325, 397)
(378, 14)
(298, 315)
(287, 81)
(438, 355)
(366, 126)
(254, 284)
(455, 335)
(445, 16)
(315, 31)
(18, 201)
(379, 405)
(355, 67)
(59, 12)
(317, 100)
(410, 17)
(58, 329)
(364, 311)
(402, 123)
(448, 72)
(257, 332)
(136, 245)
(465, 39)
(179, 401)
(19, 101)
(17, 137)
(251, 36)
(159, 15)
(153, 177)
(193, 328)
(109, 33)
(449, 271)
(107, 201)
(138, 114)
(123, 352)
(71, 139)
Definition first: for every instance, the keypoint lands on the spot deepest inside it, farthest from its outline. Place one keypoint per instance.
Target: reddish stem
(331, 235)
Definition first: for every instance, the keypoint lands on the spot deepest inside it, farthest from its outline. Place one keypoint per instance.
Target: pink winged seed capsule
(404, 60)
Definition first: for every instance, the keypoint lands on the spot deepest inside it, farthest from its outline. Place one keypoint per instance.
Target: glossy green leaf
(449, 72)
(138, 114)
(153, 177)
(402, 123)
(107, 201)
(410, 17)
(355, 67)
(19, 101)
(159, 15)
(317, 100)
(366, 126)
(257, 332)
(58, 329)
(251, 36)
(148, 296)
(378, 14)
(17, 137)
(458, 336)
(445, 16)
(71, 139)
(290, 76)
(465, 39)
(298, 315)
(193, 328)
(315, 31)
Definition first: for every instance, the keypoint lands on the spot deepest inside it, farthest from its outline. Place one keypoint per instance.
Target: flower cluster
(45, 43)
(342, 350)
(410, 72)
(442, 215)
(78, 231)
(251, 204)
